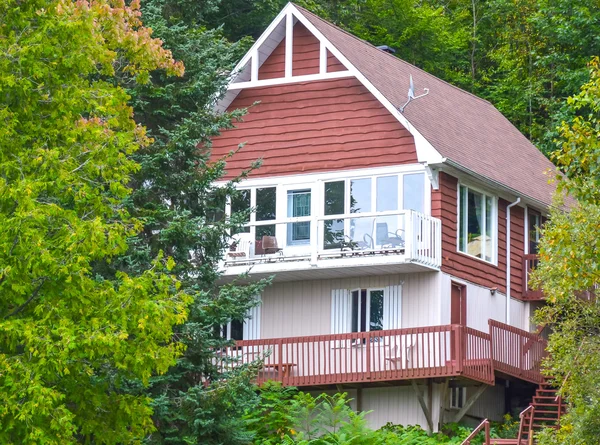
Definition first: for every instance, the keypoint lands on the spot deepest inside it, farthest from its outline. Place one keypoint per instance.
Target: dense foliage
(569, 271)
(176, 197)
(285, 416)
(69, 339)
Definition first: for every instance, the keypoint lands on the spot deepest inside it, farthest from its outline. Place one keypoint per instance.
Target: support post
(423, 404)
(359, 399)
(469, 403)
(443, 403)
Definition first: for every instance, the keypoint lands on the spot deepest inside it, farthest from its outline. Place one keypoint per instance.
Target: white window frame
(226, 331)
(368, 310)
(494, 219)
(527, 216)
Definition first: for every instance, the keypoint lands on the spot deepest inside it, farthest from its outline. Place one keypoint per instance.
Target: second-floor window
(477, 216)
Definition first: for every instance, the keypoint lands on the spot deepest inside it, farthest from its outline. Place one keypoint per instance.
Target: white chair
(240, 247)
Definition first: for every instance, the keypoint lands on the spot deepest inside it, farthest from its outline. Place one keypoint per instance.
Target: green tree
(182, 211)
(569, 271)
(69, 339)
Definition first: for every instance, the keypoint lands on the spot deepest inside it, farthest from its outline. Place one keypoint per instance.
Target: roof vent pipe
(508, 207)
(387, 49)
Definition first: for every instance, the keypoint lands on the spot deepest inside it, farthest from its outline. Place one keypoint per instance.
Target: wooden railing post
(459, 347)
(368, 358)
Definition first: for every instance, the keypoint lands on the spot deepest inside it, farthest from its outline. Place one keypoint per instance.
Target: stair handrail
(483, 425)
(531, 409)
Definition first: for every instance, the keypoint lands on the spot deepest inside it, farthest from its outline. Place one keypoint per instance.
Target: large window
(350, 198)
(264, 201)
(477, 218)
(367, 310)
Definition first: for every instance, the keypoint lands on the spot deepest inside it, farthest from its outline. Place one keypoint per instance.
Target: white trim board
(327, 176)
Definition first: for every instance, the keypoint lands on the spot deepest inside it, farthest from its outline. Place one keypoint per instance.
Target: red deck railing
(391, 355)
(530, 262)
(516, 352)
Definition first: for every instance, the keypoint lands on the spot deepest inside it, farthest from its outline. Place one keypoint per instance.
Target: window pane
(334, 198)
(462, 229)
(361, 232)
(355, 311)
(363, 310)
(265, 204)
(334, 234)
(298, 206)
(488, 246)
(387, 193)
(215, 207)
(534, 234)
(475, 223)
(376, 311)
(360, 195)
(240, 202)
(237, 330)
(414, 192)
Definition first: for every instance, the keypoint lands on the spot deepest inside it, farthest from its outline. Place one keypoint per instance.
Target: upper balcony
(354, 244)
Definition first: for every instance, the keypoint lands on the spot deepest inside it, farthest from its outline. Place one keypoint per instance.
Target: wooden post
(423, 404)
(359, 399)
(443, 402)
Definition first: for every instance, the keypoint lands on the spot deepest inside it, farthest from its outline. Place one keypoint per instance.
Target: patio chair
(269, 245)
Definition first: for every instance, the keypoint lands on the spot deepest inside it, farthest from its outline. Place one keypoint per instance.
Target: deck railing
(390, 355)
(517, 352)
(407, 233)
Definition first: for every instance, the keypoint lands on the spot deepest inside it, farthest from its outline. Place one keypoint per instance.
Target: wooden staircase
(544, 411)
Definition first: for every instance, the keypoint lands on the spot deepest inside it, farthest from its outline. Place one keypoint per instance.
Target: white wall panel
(299, 308)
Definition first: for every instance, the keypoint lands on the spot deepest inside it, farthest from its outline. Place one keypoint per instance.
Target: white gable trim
(426, 153)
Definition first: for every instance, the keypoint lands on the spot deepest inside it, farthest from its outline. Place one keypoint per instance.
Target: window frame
(455, 395)
(494, 220)
(368, 291)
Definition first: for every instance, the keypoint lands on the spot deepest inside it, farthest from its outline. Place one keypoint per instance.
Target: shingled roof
(464, 128)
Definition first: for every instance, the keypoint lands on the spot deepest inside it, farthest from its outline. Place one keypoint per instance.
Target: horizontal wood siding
(444, 205)
(305, 53)
(517, 250)
(314, 126)
(333, 64)
(274, 66)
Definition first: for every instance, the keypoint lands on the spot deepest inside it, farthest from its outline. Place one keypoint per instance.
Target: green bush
(286, 416)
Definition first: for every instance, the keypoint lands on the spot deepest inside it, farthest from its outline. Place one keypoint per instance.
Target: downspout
(508, 207)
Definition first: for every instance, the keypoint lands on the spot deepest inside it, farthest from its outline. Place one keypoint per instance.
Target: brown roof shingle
(464, 128)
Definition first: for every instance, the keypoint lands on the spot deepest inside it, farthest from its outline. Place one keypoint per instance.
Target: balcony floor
(296, 269)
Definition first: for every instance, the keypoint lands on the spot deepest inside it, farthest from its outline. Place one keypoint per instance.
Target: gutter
(508, 207)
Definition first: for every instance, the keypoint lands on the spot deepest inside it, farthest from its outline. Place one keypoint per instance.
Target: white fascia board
(305, 178)
(426, 153)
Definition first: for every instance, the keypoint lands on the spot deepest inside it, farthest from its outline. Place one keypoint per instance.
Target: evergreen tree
(182, 210)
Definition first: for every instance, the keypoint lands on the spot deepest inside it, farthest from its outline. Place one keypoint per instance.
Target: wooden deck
(393, 355)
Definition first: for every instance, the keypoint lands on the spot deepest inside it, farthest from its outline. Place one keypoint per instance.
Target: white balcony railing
(411, 236)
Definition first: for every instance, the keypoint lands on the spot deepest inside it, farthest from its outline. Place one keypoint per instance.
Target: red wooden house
(400, 235)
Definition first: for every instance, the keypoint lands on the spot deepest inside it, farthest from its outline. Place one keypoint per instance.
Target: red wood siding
(314, 126)
(274, 66)
(333, 64)
(444, 205)
(305, 54)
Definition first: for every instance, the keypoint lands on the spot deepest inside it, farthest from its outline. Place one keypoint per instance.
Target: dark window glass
(215, 207)
(237, 330)
(376, 311)
(265, 204)
(334, 198)
(534, 231)
(240, 202)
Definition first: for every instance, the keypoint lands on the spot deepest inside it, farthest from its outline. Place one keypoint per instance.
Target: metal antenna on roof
(411, 95)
